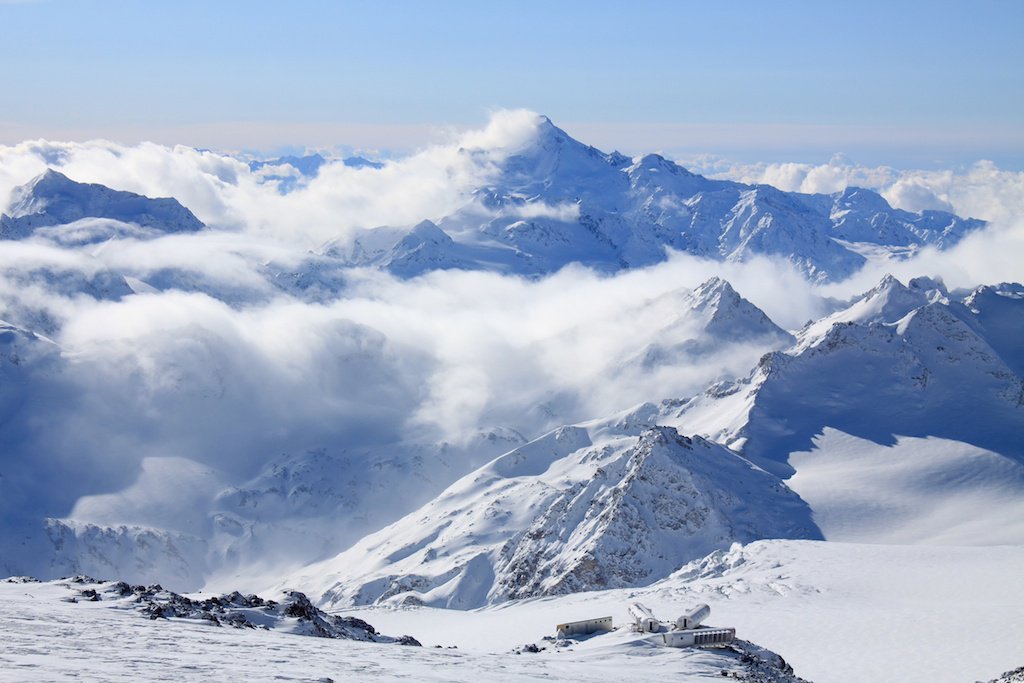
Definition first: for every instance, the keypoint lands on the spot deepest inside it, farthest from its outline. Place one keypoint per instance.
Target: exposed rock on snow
(293, 613)
(98, 631)
(1014, 676)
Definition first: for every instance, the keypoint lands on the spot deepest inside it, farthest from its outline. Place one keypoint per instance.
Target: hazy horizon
(880, 84)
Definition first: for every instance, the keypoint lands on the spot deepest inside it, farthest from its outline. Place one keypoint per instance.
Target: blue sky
(912, 83)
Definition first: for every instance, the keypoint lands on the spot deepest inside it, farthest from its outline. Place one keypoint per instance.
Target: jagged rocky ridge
(906, 360)
(609, 504)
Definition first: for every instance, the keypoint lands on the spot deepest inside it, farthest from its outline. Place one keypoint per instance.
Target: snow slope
(917, 491)
(837, 612)
(49, 638)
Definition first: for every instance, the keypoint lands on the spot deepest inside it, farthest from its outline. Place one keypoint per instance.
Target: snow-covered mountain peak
(49, 181)
(714, 290)
(424, 248)
(710, 321)
(727, 315)
(993, 294)
(555, 166)
(998, 313)
(424, 232)
(887, 302)
(657, 164)
(53, 199)
(32, 197)
(859, 199)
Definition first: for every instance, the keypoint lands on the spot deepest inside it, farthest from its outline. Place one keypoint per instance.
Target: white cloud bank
(224, 193)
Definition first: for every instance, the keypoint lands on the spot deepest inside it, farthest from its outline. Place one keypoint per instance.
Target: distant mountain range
(552, 202)
(557, 201)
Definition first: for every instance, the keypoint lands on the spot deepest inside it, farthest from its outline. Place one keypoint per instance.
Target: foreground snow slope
(838, 613)
(916, 491)
(50, 639)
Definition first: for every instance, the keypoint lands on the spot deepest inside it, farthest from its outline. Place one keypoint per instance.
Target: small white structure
(643, 618)
(573, 628)
(699, 636)
(694, 618)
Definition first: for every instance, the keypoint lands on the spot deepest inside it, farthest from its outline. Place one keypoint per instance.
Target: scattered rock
(1013, 676)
